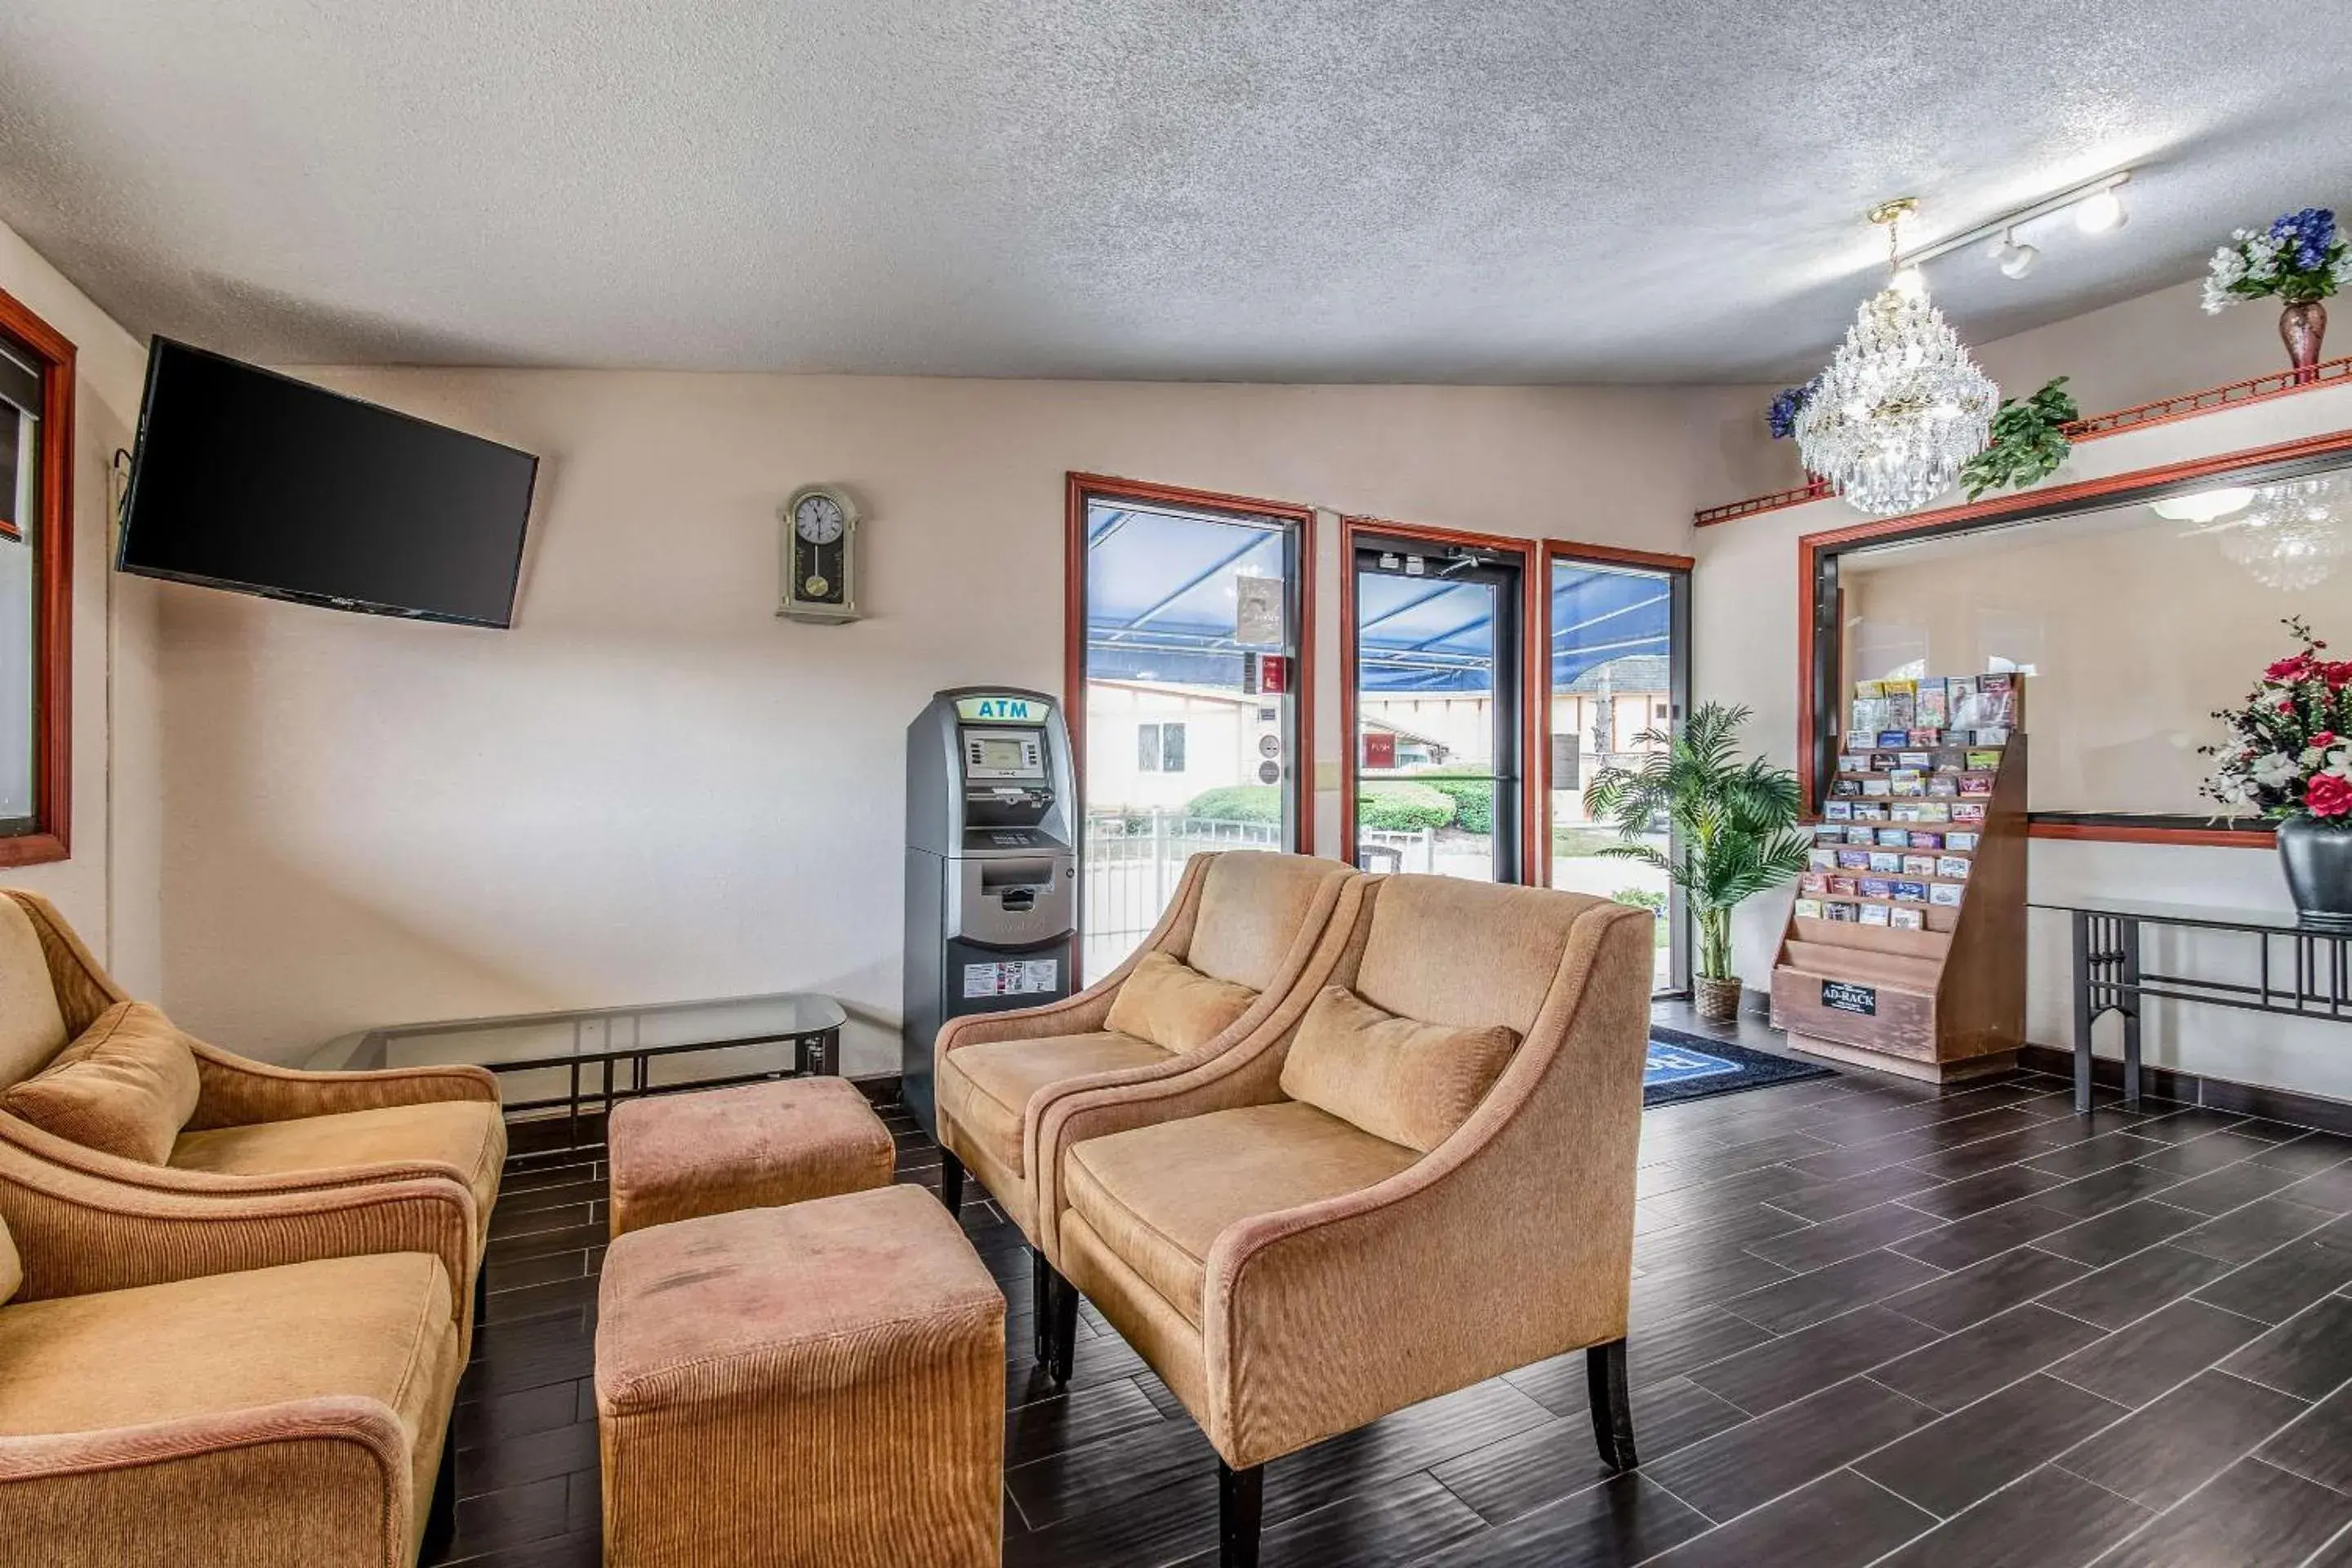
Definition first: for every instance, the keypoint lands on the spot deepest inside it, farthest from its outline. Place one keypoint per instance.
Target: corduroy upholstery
(1243, 916)
(290, 1415)
(1344, 1288)
(755, 1145)
(453, 1134)
(1161, 1195)
(814, 1384)
(988, 1095)
(256, 1130)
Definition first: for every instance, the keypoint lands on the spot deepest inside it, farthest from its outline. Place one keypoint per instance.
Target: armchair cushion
(125, 1088)
(377, 1326)
(1406, 1082)
(1159, 1195)
(1175, 1006)
(466, 1133)
(986, 1087)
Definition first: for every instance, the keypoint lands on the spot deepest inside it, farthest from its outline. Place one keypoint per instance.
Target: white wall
(651, 788)
(1746, 600)
(110, 897)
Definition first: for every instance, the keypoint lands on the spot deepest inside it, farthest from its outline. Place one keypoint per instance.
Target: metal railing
(1130, 862)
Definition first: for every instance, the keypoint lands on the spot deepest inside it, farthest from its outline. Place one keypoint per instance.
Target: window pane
(1611, 685)
(1189, 630)
(19, 579)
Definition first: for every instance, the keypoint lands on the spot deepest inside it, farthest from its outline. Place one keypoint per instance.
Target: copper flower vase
(2301, 325)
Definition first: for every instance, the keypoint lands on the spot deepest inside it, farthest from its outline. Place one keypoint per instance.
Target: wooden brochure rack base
(1943, 1002)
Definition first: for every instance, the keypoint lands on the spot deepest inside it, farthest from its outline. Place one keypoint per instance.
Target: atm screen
(994, 753)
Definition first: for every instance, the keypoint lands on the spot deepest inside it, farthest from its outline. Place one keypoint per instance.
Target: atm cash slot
(1017, 884)
(1007, 900)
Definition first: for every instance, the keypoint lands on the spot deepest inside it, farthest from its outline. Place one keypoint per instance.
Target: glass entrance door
(1435, 671)
(1619, 683)
(1190, 727)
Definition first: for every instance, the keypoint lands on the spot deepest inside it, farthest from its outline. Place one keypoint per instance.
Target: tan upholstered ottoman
(675, 1156)
(817, 1386)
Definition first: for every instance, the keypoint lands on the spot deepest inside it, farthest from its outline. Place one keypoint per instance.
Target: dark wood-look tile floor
(1873, 1324)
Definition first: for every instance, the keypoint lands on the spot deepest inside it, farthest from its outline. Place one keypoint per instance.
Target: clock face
(818, 520)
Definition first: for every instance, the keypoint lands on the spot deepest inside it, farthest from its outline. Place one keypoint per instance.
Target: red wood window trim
(2057, 499)
(1534, 605)
(51, 836)
(1082, 488)
(1597, 555)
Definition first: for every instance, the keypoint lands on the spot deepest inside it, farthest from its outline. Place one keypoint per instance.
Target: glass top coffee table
(581, 1061)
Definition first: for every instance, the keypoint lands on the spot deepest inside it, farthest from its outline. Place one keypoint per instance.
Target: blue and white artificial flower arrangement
(2302, 257)
(1781, 417)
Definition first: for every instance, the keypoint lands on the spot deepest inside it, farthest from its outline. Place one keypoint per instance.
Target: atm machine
(991, 866)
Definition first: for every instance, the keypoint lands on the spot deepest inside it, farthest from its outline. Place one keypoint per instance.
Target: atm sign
(1001, 710)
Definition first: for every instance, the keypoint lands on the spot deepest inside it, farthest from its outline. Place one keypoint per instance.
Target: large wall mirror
(2135, 612)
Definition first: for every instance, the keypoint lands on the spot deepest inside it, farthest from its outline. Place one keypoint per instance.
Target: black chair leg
(951, 1181)
(1064, 1330)
(1241, 1505)
(441, 1515)
(1041, 1303)
(1612, 1404)
(482, 1293)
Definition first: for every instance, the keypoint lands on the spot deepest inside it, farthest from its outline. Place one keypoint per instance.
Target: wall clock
(820, 556)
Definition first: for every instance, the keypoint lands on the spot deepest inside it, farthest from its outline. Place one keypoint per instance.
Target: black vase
(2317, 859)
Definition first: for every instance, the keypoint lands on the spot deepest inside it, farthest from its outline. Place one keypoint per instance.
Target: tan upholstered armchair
(1291, 1275)
(263, 1384)
(257, 1130)
(1232, 943)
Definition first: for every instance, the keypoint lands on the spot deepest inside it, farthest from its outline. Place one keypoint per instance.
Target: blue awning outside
(1160, 595)
(1599, 616)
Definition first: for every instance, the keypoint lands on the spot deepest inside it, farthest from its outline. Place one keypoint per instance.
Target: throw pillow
(126, 1087)
(1408, 1082)
(1174, 1005)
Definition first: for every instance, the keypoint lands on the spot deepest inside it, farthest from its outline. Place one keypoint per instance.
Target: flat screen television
(247, 479)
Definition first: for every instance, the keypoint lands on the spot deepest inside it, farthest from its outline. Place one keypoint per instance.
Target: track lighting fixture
(2103, 214)
(2096, 207)
(2015, 260)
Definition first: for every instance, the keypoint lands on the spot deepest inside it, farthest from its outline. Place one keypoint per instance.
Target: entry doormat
(1684, 1065)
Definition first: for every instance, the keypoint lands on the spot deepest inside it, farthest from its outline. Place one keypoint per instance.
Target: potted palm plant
(1735, 831)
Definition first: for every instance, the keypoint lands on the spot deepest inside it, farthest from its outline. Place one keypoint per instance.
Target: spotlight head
(2016, 260)
(2100, 214)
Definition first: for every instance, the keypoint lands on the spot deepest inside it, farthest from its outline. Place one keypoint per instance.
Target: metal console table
(2302, 971)
(588, 1047)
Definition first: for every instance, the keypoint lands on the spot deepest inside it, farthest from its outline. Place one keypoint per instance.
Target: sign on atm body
(1001, 710)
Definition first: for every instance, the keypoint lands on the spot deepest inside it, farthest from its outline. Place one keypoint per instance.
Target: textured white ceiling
(1656, 190)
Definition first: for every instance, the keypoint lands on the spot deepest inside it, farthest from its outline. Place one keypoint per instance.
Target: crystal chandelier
(1902, 406)
(2289, 538)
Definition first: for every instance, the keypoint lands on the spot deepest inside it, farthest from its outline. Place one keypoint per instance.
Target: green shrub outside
(1237, 802)
(1474, 800)
(1396, 805)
